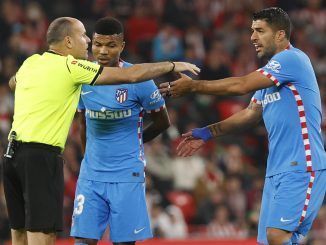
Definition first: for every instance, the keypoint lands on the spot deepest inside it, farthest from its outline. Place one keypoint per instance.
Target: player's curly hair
(108, 26)
(276, 17)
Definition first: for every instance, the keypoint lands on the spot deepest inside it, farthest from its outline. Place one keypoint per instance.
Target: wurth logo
(270, 98)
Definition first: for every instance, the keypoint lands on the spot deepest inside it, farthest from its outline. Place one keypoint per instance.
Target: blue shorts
(291, 202)
(122, 206)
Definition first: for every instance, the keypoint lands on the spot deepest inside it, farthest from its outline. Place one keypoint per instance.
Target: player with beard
(287, 97)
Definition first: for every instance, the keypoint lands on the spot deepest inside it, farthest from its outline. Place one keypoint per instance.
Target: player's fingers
(164, 85)
(182, 143)
(194, 69)
(192, 151)
(164, 90)
(187, 134)
(184, 150)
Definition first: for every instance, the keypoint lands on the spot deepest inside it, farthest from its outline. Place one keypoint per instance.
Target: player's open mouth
(258, 47)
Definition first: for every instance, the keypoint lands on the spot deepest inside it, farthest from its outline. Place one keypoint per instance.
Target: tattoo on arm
(215, 129)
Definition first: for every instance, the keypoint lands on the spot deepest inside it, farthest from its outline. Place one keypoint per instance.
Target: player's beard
(268, 53)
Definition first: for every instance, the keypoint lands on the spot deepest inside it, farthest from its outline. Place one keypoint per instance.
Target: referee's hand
(185, 66)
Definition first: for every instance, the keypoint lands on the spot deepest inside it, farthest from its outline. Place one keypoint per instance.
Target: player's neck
(283, 46)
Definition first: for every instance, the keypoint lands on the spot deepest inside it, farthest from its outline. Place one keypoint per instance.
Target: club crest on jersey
(121, 95)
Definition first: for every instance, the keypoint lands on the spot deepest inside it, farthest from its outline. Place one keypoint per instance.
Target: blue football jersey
(114, 127)
(292, 114)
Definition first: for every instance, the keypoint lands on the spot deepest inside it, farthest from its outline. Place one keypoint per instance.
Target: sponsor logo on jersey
(274, 65)
(108, 115)
(270, 98)
(121, 95)
(156, 97)
(86, 67)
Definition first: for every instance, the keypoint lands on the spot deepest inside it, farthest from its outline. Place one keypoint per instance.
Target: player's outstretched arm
(228, 86)
(142, 72)
(197, 137)
(160, 121)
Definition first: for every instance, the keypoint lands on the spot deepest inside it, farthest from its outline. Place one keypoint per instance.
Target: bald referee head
(68, 36)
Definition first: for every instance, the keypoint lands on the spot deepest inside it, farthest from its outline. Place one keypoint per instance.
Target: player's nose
(104, 50)
(253, 37)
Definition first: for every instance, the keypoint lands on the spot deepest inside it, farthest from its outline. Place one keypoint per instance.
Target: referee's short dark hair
(59, 29)
(277, 18)
(108, 26)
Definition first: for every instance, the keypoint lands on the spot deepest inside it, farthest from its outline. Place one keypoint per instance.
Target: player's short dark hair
(277, 18)
(59, 29)
(108, 26)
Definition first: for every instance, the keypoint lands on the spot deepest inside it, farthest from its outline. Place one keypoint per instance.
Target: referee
(47, 89)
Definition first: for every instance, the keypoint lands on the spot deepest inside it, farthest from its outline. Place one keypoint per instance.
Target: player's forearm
(227, 86)
(154, 129)
(238, 122)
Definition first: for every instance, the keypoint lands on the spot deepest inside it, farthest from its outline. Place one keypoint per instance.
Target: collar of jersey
(52, 52)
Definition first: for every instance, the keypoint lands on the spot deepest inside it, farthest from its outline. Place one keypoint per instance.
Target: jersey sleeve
(83, 71)
(281, 69)
(257, 97)
(149, 96)
(81, 105)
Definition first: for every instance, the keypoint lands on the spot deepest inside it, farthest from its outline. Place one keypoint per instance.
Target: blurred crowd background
(217, 193)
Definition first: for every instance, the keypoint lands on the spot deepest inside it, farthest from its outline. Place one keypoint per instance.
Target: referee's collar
(52, 52)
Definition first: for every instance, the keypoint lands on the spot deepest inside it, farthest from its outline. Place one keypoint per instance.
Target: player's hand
(178, 87)
(185, 66)
(189, 145)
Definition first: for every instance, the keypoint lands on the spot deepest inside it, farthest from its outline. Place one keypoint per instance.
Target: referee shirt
(46, 96)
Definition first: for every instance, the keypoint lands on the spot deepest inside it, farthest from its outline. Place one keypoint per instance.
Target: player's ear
(280, 35)
(123, 44)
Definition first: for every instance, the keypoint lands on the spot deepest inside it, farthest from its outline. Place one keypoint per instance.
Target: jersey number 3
(80, 204)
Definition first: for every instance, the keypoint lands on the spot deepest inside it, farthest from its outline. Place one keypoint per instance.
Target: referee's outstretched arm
(142, 72)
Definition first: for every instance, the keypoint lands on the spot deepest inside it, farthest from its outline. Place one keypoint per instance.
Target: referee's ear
(12, 83)
(68, 42)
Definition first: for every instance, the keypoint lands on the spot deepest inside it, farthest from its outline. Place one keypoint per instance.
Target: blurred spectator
(6, 108)
(222, 227)
(236, 198)
(138, 37)
(167, 45)
(169, 223)
(159, 165)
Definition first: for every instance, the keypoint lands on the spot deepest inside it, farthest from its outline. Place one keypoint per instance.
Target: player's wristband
(202, 133)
